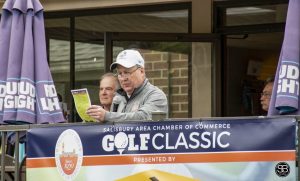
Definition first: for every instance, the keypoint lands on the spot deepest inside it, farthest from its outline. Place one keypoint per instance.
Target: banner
(27, 90)
(285, 94)
(205, 150)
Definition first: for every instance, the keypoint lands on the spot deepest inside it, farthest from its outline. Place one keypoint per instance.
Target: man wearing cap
(137, 98)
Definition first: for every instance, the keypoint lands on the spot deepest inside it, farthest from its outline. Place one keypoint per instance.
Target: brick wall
(169, 71)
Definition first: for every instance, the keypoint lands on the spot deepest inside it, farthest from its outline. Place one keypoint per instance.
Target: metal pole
(17, 177)
(3, 143)
(297, 150)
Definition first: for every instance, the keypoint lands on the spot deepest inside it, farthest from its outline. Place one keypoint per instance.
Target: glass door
(184, 67)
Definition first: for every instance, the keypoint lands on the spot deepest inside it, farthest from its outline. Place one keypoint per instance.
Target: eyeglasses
(126, 74)
(265, 94)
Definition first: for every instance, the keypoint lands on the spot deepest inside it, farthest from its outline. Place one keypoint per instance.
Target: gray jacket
(144, 100)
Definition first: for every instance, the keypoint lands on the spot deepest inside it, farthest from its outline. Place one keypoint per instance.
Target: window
(83, 65)
(58, 39)
(256, 15)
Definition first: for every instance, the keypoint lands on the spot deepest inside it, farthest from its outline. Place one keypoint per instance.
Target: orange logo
(68, 162)
(68, 154)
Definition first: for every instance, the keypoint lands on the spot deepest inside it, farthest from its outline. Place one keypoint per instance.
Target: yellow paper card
(82, 103)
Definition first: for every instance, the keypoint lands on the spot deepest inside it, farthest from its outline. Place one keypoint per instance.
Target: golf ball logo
(121, 142)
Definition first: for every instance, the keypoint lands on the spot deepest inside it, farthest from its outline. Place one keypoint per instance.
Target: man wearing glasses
(137, 98)
(266, 94)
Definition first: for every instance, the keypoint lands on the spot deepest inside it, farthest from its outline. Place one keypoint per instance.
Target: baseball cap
(128, 59)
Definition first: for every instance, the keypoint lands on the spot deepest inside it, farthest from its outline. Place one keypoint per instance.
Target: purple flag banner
(27, 91)
(285, 95)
